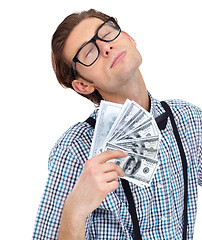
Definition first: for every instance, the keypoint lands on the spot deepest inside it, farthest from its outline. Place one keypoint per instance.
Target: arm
(97, 179)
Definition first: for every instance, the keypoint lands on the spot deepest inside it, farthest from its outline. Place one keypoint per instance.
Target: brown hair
(63, 70)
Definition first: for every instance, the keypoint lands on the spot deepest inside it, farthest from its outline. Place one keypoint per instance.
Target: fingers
(111, 166)
(112, 186)
(111, 176)
(98, 163)
(107, 155)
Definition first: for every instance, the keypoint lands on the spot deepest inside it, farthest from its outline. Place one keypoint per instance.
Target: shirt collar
(155, 106)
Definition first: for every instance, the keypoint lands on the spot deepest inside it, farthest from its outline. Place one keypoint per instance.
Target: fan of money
(132, 129)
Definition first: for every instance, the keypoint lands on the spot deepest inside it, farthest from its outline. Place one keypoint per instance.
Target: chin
(129, 70)
(131, 64)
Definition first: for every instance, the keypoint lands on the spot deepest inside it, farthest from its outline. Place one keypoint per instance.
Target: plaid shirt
(159, 206)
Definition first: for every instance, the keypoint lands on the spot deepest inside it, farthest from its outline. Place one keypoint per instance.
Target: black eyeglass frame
(93, 40)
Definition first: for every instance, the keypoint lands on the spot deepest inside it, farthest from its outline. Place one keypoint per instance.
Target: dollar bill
(147, 129)
(134, 123)
(137, 168)
(108, 113)
(149, 142)
(125, 112)
(147, 152)
(134, 114)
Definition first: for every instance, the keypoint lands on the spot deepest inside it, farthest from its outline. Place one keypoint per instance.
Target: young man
(84, 198)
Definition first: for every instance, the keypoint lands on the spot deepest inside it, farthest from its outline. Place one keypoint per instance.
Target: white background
(36, 110)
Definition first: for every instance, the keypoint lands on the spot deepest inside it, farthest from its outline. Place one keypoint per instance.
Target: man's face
(118, 62)
(130, 166)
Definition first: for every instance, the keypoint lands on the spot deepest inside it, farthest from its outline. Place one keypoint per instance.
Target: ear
(130, 38)
(82, 86)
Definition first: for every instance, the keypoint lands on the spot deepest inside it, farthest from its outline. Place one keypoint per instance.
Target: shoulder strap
(161, 122)
(132, 208)
(91, 121)
(184, 164)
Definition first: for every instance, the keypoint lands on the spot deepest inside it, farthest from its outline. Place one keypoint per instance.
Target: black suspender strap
(91, 121)
(184, 165)
(161, 122)
(132, 208)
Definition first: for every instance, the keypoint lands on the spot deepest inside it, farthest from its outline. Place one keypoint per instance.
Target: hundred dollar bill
(139, 119)
(147, 129)
(129, 109)
(123, 113)
(149, 142)
(147, 152)
(133, 111)
(108, 113)
(137, 168)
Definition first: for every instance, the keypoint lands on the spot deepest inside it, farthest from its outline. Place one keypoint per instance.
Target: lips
(118, 58)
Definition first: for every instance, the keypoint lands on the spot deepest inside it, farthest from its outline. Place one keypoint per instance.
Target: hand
(97, 179)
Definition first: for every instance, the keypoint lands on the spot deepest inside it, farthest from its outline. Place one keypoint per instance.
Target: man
(131, 166)
(84, 198)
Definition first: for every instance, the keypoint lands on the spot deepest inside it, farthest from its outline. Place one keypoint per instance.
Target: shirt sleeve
(200, 153)
(200, 169)
(64, 170)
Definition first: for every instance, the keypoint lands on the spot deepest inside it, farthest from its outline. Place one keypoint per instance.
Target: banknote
(126, 112)
(129, 109)
(108, 113)
(149, 142)
(137, 168)
(147, 152)
(147, 129)
(134, 115)
(131, 125)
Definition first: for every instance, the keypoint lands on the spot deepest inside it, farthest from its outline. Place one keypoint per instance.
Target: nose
(104, 47)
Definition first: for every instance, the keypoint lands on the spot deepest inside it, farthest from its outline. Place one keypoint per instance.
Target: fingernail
(125, 153)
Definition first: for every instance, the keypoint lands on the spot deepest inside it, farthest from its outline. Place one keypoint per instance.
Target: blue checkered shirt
(159, 206)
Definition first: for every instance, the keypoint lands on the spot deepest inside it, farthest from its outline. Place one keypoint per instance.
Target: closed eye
(107, 34)
(87, 54)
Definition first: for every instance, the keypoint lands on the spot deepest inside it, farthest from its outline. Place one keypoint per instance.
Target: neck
(142, 97)
(135, 91)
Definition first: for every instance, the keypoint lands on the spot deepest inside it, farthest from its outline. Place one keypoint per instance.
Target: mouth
(118, 58)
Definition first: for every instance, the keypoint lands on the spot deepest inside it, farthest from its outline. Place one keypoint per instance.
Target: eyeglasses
(89, 52)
